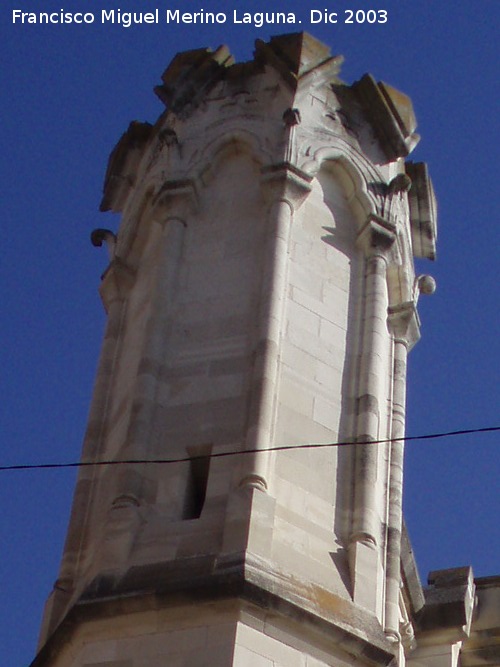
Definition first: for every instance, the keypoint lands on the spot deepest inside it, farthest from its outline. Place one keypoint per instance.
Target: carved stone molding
(175, 196)
(404, 323)
(286, 182)
(423, 210)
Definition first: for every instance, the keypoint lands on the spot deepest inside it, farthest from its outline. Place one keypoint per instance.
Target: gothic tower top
(261, 300)
(202, 86)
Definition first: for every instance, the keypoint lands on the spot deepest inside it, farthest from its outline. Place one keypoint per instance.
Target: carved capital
(287, 183)
(377, 235)
(404, 323)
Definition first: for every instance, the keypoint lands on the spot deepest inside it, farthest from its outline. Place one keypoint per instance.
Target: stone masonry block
(296, 397)
(330, 377)
(327, 413)
(334, 335)
(206, 389)
(290, 496)
(301, 361)
(301, 317)
(337, 298)
(244, 657)
(328, 311)
(306, 280)
(100, 651)
(268, 647)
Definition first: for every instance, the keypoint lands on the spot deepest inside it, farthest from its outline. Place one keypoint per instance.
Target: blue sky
(68, 92)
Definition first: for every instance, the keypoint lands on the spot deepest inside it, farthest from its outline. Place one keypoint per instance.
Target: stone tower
(261, 298)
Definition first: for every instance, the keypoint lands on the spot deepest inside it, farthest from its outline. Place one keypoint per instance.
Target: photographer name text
(128, 19)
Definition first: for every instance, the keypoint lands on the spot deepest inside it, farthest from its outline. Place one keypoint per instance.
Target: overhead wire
(218, 455)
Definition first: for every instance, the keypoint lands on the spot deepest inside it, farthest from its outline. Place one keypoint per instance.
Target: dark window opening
(197, 482)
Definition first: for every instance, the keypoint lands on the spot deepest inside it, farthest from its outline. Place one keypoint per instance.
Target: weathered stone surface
(449, 601)
(122, 165)
(482, 648)
(391, 115)
(259, 291)
(423, 210)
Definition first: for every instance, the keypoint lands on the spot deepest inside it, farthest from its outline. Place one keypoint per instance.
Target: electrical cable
(218, 455)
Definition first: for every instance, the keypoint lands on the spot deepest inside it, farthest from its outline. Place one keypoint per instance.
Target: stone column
(170, 212)
(249, 518)
(376, 239)
(285, 190)
(404, 326)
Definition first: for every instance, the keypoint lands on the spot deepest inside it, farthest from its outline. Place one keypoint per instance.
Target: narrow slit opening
(199, 466)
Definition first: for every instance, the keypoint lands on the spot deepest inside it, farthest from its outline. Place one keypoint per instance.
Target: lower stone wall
(272, 646)
(225, 633)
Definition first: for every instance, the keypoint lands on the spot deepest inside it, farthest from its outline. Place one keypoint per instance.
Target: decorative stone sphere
(426, 284)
